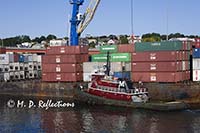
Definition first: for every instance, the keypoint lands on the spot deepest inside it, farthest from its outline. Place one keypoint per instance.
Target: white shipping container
(35, 57)
(196, 63)
(6, 77)
(30, 58)
(39, 58)
(196, 75)
(6, 58)
(89, 67)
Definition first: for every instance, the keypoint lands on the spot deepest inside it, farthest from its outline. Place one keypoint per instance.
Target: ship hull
(85, 97)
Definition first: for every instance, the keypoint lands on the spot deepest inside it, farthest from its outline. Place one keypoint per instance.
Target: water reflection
(97, 119)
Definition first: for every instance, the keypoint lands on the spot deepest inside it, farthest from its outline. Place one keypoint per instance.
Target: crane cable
(132, 30)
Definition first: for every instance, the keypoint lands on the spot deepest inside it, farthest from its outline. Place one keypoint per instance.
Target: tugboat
(109, 87)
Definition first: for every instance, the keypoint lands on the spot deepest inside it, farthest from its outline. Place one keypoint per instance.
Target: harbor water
(89, 119)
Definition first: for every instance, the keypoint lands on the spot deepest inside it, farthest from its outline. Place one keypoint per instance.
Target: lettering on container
(58, 77)
(58, 60)
(119, 57)
(155, 44)
(108, 48)
(58, 69)
(152, 66)
(62, 50)
(153, 78)
(100, 57)
(152, 56)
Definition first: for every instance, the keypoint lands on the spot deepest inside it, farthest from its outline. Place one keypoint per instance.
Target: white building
(58, 42)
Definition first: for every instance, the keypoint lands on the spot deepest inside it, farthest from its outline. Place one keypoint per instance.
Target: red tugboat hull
(110, 95)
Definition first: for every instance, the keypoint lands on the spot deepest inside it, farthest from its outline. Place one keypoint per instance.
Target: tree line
(13, 41)
(156, 37)
(149, 37)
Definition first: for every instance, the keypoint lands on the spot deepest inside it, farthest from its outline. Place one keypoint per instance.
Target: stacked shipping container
(196, 64)
(2, 50)
(197, 43)
(15, 67)
(64, 63)
(120, 58)
(161, 61)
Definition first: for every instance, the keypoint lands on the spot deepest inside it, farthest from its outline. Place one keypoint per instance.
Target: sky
(44, 17)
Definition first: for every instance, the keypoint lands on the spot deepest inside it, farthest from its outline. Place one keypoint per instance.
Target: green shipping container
(110, 48)
(115, 57)
(99, 58)
(121, 57)
(159, 46)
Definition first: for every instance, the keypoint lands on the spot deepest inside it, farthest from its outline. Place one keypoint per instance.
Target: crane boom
(83, 21)
(88, 16)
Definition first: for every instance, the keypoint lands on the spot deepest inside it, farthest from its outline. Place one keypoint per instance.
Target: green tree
(151, 37)
(92, 45)
(123, 39)
(36, 39)
(51, 37)
(42, 38)
(176, 35)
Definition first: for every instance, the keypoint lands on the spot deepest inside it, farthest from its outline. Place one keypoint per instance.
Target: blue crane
(80, 22)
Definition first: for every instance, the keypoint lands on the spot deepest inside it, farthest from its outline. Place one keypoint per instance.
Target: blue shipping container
(123, 75)
(21, 58)
(196, 53)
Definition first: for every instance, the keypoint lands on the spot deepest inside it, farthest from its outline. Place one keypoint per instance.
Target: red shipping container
(67, 50)
(126, 48)
(62, 77)
(157, 56)
(16, 57)
(197, 40)
(84, 58)
(93, 51)
(158, 76)
(2, 50)
(52, 59)
(62, 68)
(197, 44)
(156, 66)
